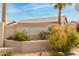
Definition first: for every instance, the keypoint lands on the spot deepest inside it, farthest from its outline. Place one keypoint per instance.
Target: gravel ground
(46, 53)
(32, 54)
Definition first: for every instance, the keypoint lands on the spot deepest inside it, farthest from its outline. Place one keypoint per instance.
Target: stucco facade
(1, 34)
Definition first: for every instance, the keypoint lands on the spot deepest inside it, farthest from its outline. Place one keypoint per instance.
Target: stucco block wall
(9, 30)
(1, 35)
(15, 44)
(48, 24)
(32, 29)
(6, 49)
(34, 37)
(36, 46)
(28, 46)
(74, 26)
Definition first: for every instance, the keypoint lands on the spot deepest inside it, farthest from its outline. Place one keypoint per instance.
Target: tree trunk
(59, 16)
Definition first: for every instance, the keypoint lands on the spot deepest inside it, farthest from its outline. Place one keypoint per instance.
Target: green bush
(43, 35)
(72, 39)
(18, 36)
(56, 39)
(62, 40)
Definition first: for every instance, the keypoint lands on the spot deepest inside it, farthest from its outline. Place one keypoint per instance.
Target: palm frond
(61, 5)
(55, 6)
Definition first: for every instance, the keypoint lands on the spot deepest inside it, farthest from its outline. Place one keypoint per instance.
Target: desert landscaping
(48, 36)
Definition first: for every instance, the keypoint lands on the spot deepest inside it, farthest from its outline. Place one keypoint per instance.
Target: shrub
(43, 35)
(57, 54)
(7, 54)
(18, 36)
(62, 40)
(72, 39)
(56, 39)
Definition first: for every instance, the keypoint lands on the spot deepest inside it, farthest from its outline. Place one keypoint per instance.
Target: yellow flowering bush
(57, 38)
(72, 39)
(62, 40)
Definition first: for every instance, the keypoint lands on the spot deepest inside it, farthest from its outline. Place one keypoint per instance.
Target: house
(33, 27)
(72, 24)
(77, 9)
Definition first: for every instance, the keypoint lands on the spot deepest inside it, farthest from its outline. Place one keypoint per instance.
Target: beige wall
(28, 46)
(73, 25)
(9, 30)
(32, 29)
(5, 50)
(1, 34)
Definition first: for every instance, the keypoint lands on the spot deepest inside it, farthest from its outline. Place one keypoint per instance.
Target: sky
(25, 11)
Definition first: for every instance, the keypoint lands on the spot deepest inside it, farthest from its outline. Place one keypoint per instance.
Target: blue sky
(25, 11)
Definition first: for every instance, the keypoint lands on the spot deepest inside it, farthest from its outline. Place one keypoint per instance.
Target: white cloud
(11, 9)
(35, 6)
